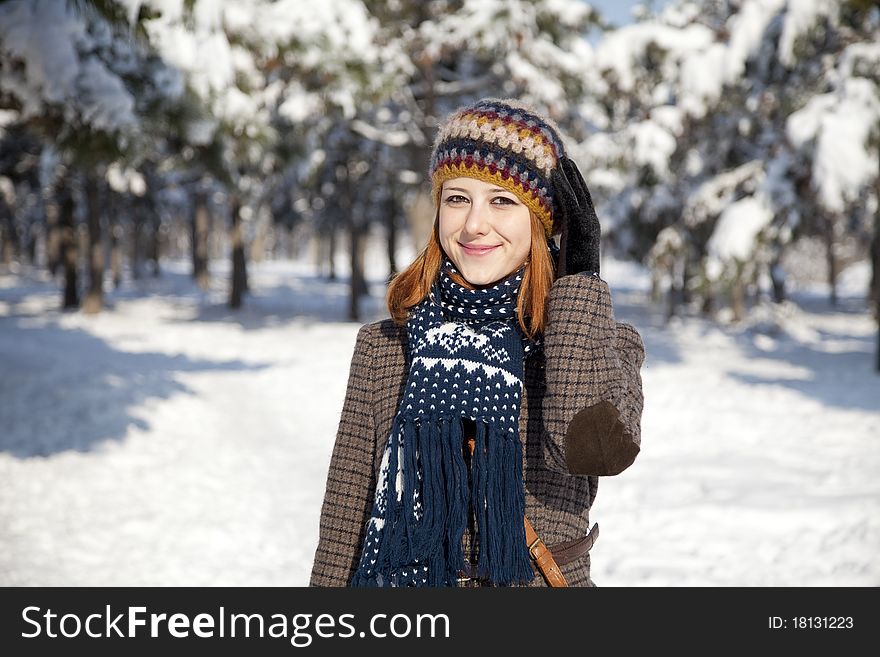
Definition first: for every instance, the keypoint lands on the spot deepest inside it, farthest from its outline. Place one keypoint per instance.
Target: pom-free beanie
(502, 142)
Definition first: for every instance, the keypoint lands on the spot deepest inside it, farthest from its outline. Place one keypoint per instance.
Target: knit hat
(502, 142)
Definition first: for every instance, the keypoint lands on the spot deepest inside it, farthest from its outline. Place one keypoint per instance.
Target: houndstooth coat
(580, 419)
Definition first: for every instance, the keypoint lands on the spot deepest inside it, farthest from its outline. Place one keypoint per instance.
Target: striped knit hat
(503, 142)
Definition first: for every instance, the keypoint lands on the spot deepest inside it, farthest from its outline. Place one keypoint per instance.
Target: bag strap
(538, 550)
(543, 557)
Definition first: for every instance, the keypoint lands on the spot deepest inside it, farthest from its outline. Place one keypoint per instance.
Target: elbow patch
(597, 443)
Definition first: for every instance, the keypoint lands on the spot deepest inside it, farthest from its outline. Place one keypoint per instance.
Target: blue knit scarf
(466, 353)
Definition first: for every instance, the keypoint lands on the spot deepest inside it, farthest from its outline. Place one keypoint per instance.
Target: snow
(535, 78)
(218, 49)
(299, 106)
(737, 227)
(204, 56)
(680, 13)
(46, 37)
(42, 33)
(514, 34)
(858, 55)
(702, 78)
(108, 104)
(341, 25)
(133, 8)
(620, 51)
(170, 441)
(735, 234)
(800, 16)
(747, 29)
(843, 164)
(568, 12)
(652, 145)
(713, 196)
(802, 125)
(841, 123)
(124, 180)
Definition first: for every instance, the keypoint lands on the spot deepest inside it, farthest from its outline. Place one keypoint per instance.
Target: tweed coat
(580, 419)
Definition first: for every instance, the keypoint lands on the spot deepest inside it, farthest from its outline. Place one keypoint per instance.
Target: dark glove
(579, 246)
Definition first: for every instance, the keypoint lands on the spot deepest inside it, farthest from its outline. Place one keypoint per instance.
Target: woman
(499, 390)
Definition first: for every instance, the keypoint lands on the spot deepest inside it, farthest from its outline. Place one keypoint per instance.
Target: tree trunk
(258, 244)
(200, 226)
(331, 252)
(68, 251)
(656, 286)
(738, 301)
(831, 258)
(94, 301)
(674, 266)
(876, 268)
(688, 267)
(154, 248)
(361, 288)
(30, 249)
(420, 211)
(11, 244)
(738, 294)
(777, 278)
(358, 282)
(392, 235)
(239, 270)
(673, 295)
(116, 235)
(875, 280)
(135, 258)
(707, 304)
(53, 236)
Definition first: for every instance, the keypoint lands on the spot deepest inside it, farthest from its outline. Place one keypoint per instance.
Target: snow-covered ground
(169, 441)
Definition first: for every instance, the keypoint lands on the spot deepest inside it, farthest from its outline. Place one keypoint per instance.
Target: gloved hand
(579, 246)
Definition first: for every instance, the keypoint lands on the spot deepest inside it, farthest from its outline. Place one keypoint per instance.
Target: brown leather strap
(569, 551)
(543, 557)
(539, 552)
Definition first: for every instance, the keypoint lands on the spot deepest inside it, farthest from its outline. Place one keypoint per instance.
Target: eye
(455, 199)
(503, 200)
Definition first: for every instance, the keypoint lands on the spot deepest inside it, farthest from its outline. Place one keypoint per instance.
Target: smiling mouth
(477, 250)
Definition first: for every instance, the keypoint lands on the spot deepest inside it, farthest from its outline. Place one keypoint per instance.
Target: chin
(480, 276)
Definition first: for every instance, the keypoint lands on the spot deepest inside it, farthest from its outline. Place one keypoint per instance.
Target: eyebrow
(461, 189)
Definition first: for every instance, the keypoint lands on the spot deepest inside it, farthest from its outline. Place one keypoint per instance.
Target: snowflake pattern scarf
(466, 354)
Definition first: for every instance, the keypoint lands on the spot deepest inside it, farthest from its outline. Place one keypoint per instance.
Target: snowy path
(170, 442)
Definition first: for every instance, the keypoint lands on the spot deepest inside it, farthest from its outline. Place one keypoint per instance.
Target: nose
(477, 222)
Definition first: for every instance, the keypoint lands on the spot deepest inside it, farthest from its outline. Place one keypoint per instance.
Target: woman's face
(486, 231)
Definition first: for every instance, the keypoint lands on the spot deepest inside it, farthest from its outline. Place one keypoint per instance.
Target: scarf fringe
(425, 526)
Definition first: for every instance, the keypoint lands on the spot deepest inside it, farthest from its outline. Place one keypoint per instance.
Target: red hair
(410, 286)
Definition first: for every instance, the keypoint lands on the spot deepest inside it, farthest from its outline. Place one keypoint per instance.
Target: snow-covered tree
(273, 77)
(718, 147)
(94, 95)
(438, 56)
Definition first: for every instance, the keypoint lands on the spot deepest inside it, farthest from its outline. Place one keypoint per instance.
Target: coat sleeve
(593, 399)
(351, 484)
